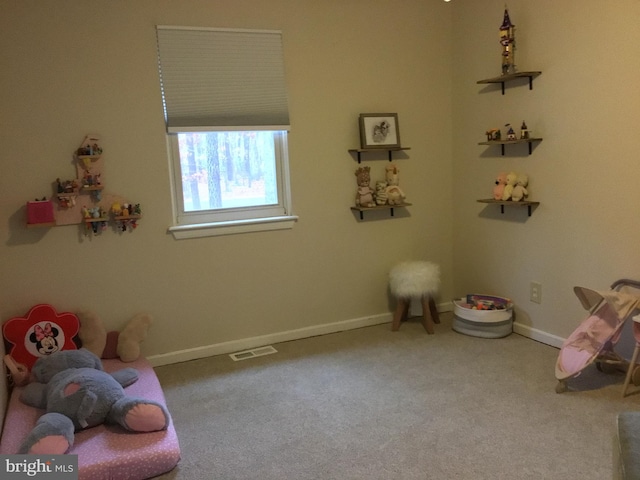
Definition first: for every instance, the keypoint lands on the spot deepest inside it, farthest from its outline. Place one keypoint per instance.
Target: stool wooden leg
(399, 315)
(434, 311)
(427, 320)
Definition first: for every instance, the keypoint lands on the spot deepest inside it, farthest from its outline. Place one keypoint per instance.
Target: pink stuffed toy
(498, 190)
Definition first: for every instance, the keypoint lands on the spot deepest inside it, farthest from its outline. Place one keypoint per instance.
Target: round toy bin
(496, 323)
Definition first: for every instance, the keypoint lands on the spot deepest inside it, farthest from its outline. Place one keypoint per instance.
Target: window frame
(232, 220)
(261, 106)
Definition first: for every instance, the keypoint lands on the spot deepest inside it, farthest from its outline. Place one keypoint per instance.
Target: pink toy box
(40, 211)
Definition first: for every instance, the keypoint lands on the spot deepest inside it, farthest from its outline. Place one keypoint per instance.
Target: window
(227, 119)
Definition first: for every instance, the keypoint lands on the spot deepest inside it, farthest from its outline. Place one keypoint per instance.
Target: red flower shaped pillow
(41, 332)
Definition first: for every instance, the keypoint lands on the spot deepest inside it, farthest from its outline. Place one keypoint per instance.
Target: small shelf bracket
(530, 205)
(391, 209)
(389, 151)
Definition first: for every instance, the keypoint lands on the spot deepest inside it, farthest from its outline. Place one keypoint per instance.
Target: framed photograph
(379, 130)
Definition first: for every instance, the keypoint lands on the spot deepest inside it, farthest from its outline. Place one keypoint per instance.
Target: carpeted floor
(378, 405)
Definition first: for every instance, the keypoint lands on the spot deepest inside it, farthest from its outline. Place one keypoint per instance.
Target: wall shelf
(502, 79)
(510, 203)
(502, 143)
(359, 151)
(87, 186)
(381, 207)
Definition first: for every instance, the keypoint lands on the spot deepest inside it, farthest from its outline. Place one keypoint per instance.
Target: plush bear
(395, 195)
(508, 188)
(381, 193)
(520, 191)
(498, 190)
(77, 393)
(364, 194)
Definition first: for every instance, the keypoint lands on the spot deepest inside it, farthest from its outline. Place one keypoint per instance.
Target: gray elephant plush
(77, 393)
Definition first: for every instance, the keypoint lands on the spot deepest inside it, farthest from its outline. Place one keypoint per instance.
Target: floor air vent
(254, 352)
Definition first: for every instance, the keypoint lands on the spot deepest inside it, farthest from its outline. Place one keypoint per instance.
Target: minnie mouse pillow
(40, 333)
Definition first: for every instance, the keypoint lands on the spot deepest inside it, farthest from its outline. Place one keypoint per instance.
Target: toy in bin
(485, 316)
(487, 302)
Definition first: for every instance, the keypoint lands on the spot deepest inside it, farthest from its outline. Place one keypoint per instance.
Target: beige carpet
(374, 404)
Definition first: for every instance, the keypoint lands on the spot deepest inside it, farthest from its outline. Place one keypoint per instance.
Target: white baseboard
(538, 335)
(248, 343)
(253, 342)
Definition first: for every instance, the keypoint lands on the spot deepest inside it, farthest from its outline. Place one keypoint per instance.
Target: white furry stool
(415, 280)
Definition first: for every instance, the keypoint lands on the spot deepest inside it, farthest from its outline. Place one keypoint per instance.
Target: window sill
(181, 232)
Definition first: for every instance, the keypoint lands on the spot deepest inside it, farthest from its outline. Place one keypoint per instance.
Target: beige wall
(74, 67)
(585, 172)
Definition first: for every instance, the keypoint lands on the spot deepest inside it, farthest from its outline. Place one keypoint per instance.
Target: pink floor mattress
(106, 451)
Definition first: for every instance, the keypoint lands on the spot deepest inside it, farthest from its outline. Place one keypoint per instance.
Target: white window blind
(222, 79)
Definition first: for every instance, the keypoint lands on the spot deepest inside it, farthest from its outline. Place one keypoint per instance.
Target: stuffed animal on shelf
(520, 191)
(508, 188)
(395, 195)
(381, 193)
(77, 393)
(498, 190)
(364, 194)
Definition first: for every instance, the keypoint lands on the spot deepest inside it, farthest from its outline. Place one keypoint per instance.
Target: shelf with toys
(511, 190)
(387, 195)
(502, 143)
(508, 44)
(494, 137)
(92, 212)
(379, 132)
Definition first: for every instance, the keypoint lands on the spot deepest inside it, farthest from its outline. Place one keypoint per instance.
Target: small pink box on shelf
(39, 212)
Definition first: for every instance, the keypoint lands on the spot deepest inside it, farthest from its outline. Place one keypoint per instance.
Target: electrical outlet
(535, 292)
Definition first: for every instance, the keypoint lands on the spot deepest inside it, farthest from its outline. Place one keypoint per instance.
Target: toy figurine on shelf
(395, 195)
(90, 146)
(116, 209)
(364, 194)
(381, 193)
(95, 214)
(68, 186)
(493, 134)
(67, 201)
(126, 215)
(508, 42)
(511, 134)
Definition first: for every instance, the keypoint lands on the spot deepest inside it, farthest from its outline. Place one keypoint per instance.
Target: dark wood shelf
(502, 143)
(510, 203)
(379, 207)
(502, 79)
(390, 150)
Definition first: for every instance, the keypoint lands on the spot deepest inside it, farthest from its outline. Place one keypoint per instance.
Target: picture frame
(379, 130)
